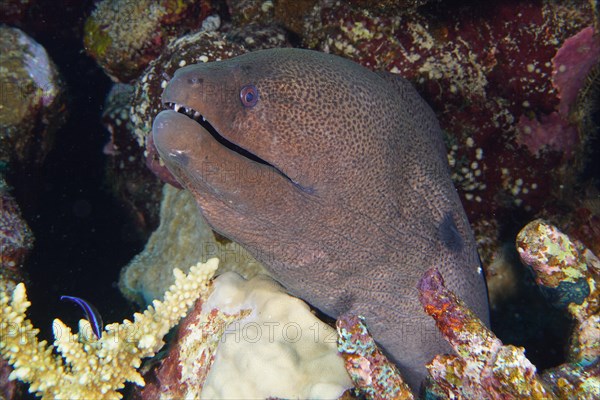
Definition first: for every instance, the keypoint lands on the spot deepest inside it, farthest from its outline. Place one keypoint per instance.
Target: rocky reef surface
(515, 87)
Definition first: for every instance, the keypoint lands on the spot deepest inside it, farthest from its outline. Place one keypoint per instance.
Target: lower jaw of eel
(200, 119)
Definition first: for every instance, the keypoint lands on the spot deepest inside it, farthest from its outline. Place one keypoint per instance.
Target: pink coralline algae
(9, 389)
(184, 370)
(550, 131)
(571, 65)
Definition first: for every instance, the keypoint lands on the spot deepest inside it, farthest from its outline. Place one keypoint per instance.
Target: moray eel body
(335, 177)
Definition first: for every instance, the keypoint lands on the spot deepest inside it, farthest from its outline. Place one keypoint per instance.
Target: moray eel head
(234, 110)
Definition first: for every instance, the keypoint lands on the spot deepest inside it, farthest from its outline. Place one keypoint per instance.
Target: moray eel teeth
(200, 119)
(190, 112)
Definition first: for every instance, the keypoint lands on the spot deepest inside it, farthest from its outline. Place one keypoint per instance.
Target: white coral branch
(92, 368)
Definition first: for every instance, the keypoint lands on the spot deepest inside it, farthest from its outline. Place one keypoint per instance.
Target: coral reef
(245, 12)
(132, 183)
(182, 373)
(32, 109)
(124, 36)
(16, 239)
(483, 368)
(514, 84)
(483, 69)
(31, 99)
(372, 373)
(183, 238)
(91, 368)
(569, 275)
(389, 6)
(276, 349)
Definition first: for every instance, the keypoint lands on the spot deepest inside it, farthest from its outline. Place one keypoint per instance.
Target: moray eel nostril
(332, 175)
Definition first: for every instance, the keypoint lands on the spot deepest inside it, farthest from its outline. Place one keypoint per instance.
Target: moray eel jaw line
(208, 127)
(203, 105)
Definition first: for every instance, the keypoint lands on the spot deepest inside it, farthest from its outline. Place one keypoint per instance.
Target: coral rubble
(91, 368)
(182, 373)
(483, 368)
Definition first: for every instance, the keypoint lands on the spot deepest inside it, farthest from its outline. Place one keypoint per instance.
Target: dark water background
(83, 236)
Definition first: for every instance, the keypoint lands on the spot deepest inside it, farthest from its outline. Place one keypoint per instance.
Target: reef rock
(483, 69)
(31, 99)
(183, 238)
(124, 36)
(16, 239)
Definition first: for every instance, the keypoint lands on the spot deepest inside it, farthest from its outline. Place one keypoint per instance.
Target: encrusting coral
(86, 367)
(483, 367)
(568, 274)
(372, 373)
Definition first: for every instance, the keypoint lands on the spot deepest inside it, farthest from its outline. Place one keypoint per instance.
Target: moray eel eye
(249, 95)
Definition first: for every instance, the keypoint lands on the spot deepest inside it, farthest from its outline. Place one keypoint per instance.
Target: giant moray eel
(335, 177)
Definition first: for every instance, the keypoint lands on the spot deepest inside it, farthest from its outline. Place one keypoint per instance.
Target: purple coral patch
(571, 65)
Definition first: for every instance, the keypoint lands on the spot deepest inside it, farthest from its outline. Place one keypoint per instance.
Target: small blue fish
(91, 314)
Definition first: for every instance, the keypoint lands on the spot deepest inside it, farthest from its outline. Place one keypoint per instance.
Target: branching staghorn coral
(86, 367)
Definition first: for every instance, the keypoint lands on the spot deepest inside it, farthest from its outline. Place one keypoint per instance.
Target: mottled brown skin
(357, 200)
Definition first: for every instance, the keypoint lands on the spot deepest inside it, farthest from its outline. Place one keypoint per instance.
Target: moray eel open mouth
(199, 118)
